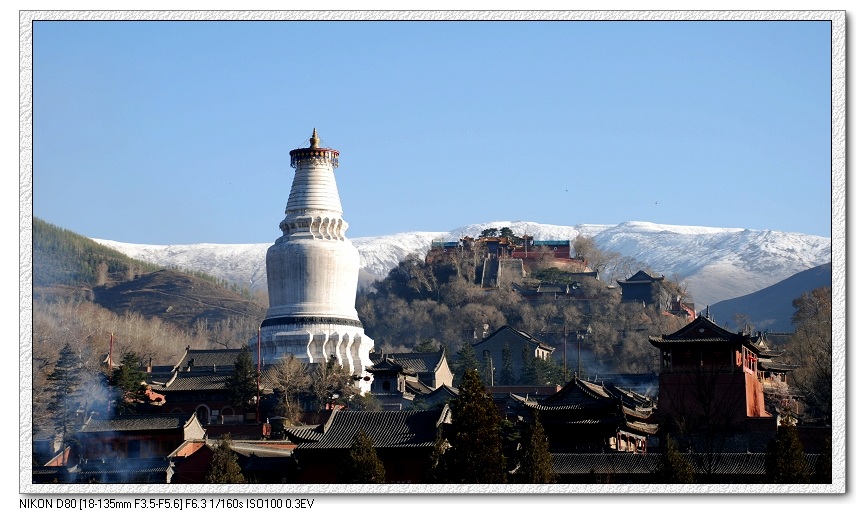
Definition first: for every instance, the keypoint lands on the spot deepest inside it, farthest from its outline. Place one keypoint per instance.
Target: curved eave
(659, 342)
(320, 446)
(645, 428)
(776, 366)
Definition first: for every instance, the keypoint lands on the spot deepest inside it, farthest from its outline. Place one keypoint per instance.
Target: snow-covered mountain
(715, 263)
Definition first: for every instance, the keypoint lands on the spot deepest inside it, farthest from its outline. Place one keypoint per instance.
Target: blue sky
(179, 132)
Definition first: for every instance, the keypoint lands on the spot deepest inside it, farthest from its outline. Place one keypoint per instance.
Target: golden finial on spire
(314, 140)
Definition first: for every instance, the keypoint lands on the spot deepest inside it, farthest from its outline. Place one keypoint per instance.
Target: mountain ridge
(771, 308)
(715, 263)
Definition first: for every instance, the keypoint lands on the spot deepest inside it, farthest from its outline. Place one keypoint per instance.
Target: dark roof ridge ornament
(314, 141)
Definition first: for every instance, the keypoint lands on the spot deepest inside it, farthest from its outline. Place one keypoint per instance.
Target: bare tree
(596, 259)
(330, 383)
(811, 348)
(742, 321)
(101, 273)
(292, 378)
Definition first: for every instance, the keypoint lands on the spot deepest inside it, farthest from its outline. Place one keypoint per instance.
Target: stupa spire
(312, 273)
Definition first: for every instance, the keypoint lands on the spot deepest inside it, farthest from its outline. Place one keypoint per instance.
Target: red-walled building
(709, 382)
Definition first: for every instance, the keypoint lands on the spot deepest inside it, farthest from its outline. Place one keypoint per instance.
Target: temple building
(312, 274)
(709, 387)
(646, 289)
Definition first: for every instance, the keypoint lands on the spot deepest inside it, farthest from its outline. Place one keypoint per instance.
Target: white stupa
(312, 273)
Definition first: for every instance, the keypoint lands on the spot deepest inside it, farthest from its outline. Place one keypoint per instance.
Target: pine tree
(224, 468)
(475, 456)
(129, 380)
(548, 371)
(466, 359)
(535, 460)
(785, 457)
(529, 374)
(506, 376)
(242, 384)
(64, 385)
(673, 467)
(362, 465)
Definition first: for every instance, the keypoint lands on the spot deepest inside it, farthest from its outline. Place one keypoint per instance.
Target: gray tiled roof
(705, 331)
(417, 362)
(387, 429)
(125, 465)
(551, 288)
(305, 433)
(125, 471)
(136, 423)
(523, 334)
(578, 394)
(193, 381)
(222, 358)
(568, 407)
(417, 387)
(637, 463)
(641, 277)
(585, 463)
(442, 394)
(260, 449)
(390, 365)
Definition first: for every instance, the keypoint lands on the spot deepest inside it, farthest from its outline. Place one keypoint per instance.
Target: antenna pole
(565, 343)
(258, 382)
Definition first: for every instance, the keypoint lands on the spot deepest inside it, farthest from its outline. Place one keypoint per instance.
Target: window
(133, 450)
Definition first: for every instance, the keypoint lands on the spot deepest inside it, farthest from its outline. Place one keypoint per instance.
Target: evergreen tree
(529, 373)
(785, 457)
(362, 465)
(548, 371)
(129, 379)
(242, 384)
(506, 376)
(466, 359)
(427, 346)
(224, 468)
(535, 460)
(475, 456)
(64, 385)
(486, 372)
(673, 467)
